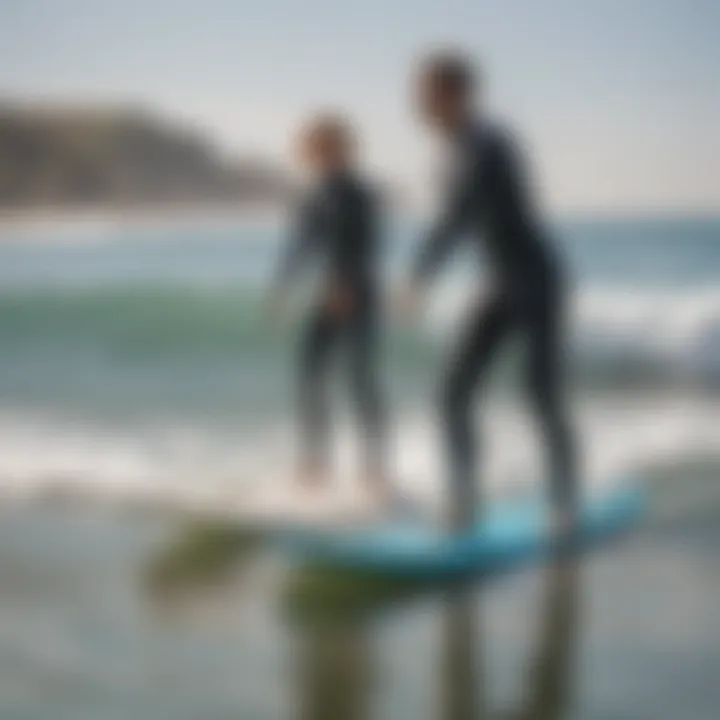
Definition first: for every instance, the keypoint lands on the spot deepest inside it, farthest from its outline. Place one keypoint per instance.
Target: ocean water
(136, 370)
(135, 360)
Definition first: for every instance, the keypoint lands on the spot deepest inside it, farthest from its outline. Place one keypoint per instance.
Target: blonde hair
(327, 133)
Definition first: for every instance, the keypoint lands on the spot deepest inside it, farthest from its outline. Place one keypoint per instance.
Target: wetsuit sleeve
(512, 182)
(447, 228)
(304, 231)
(373, 234)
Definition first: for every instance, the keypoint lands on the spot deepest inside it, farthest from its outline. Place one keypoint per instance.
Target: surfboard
(508, 534)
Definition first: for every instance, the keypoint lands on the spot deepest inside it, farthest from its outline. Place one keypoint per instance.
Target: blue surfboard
(508, 534)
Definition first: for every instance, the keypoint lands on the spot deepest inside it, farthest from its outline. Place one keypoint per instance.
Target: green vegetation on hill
(55, 156)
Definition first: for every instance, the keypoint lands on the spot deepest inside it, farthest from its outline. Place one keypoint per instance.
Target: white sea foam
(219, 470)
(676, 330)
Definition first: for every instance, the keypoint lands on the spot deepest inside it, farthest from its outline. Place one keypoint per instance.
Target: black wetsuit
(488, 199)
(338, 224)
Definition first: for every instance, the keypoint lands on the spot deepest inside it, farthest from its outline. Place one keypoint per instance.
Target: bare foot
(461, 518)
(389, 500)
(563, 525)
(312, 478)
(372, 495)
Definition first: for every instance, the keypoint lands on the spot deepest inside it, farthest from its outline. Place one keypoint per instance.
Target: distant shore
(40, 219)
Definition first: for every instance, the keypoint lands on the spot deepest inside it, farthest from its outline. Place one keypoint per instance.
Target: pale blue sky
(619, 98)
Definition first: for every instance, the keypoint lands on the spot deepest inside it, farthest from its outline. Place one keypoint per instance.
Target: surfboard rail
(509, 534)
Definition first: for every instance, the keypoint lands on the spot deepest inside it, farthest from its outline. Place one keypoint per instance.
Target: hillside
(54, 156)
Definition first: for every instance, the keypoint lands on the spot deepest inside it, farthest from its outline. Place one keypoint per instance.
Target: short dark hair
(451, 70)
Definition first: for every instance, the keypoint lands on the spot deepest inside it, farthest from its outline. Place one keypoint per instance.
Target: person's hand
(409, 301)
(340, 301)
(275, 306)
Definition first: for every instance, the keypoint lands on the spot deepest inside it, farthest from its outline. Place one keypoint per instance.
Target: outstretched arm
(303, 236)
(303, 239)
(447, 228)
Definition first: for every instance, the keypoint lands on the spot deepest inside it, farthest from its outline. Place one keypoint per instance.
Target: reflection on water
(82, 636)
(336, 673)
(461, 660)
(548, 685)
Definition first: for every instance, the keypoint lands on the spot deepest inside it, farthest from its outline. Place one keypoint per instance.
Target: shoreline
(182, 215)
(50, 219)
